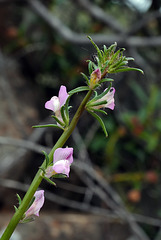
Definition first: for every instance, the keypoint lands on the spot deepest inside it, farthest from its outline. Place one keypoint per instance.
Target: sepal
(59, 175)
(27, 220)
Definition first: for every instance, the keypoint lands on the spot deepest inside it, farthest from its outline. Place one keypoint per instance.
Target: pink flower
(62, 159)
(109, 97)
(36, 205)
(55, 103)
(95, 78)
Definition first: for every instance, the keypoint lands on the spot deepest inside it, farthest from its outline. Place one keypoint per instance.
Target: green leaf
(42, 169)
(85, 77)
(126, 69)
(97, 103)
(46, 158)
(99, 110)
(58, 121)
(130, 59)
(102, 94)
(105, 66)
(79, 89)
(66, 108)
(27, 220)
(59, 176)
(49, 181)
(63, 115)
(90, 67)
(97, 48)
(100, 121)
(15, 208)
(48, 125)
(19, 199)
(106, 80)
(111, 48)
(114, 57)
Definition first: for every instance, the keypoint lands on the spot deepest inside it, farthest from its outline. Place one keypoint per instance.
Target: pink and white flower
(55, 103)
(62, 159)
(109, 97)
(36, 205)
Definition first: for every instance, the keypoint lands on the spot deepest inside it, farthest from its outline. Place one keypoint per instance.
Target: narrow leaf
(57, 120)
(128, 69)
(100, 121)
(48, 125)
(103, 93)
(59, 176)
(97, 48)
(79, 89)
(98, 103)
(46, 158)
(90, 67)
(106, 80)
(50, 181)
(15, 208)
(19, 199)
(63, 115)
(99, 110)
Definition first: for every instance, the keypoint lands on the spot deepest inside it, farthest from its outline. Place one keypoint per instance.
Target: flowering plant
(59, 160)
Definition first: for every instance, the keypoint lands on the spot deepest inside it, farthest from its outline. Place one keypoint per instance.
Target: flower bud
(95, 78)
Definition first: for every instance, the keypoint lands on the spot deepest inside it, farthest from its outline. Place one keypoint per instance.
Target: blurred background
(114, 187)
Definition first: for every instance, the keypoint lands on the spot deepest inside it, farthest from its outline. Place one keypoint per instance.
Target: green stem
(38, 178)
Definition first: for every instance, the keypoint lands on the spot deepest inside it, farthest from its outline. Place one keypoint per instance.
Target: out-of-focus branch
(75, 38)
(8, 183)
(10, 161)
(143, 22)
(23, 144)
(100, 15)
(137, 230)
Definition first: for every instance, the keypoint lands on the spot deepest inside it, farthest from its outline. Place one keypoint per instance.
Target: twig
(100, 15)
(24, 144)
(75, 38)
(125, 215)
(63, 201)
(11, 161)
(143, 21)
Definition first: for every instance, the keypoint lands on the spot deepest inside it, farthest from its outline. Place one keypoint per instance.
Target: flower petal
(36, 205)
(63, 154)
(63, 95)
(62, 166)
(110, 99)
(53, 104)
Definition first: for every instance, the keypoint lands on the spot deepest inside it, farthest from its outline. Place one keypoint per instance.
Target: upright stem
(38, 177)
